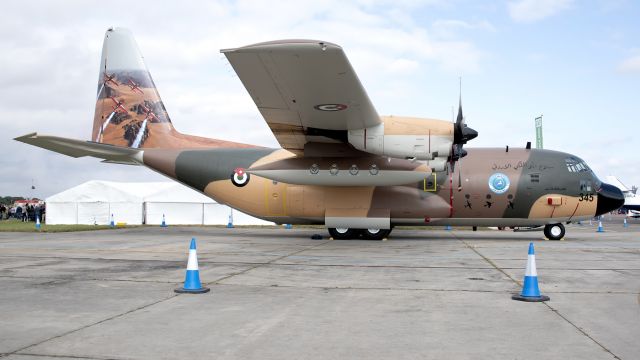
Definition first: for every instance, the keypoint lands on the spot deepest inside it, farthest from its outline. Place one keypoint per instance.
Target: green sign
(539, 132)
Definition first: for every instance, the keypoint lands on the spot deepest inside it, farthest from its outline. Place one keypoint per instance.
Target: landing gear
(342, 233)
(554, 231)
(375, 234)
(367, 234)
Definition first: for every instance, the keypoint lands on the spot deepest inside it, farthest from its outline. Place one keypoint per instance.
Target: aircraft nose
(609, 199)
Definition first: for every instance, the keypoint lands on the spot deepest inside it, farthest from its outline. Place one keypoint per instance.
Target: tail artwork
(129, 111)
(128, 107)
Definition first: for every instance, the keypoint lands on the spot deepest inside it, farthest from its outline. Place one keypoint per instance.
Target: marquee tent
(139, 203)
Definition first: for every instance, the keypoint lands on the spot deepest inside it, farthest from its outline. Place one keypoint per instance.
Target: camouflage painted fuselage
(533, 187)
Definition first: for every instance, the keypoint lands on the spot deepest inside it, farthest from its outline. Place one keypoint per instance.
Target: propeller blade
(459, 176)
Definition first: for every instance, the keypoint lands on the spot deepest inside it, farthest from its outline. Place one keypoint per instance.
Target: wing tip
(288, 43)
(26, 136)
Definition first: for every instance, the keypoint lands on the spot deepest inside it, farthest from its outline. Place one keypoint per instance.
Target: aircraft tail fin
(129, 111)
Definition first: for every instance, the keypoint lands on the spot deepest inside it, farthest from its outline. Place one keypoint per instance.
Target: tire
(342, 233)
(374, 234)
(554, 231)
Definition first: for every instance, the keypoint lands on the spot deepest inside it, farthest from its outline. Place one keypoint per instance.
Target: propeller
(461, 134)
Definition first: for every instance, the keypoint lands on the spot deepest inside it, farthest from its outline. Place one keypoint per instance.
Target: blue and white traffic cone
(192, 283)
(38, 223)
(448, 227)
(230, 223)
(625, 223)
(530, 291)
(600, 229)
(164, 224)
(112, 223)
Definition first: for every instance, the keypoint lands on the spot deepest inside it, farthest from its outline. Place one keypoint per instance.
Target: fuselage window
(535, 178)
(574, 165)
(585, 185)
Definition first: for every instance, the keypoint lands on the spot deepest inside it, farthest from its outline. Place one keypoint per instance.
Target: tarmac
(278, 294)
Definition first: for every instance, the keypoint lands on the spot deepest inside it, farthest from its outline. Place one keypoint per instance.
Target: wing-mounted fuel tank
(408, 138)
(343, 171)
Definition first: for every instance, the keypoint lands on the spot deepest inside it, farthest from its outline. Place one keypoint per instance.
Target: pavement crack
(90, 325)
(553, 310)
(218, 281)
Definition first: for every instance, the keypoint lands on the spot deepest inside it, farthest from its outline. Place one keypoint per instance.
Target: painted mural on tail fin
(129, 111)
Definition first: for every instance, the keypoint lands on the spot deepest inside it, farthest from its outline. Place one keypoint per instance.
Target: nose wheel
(554, 231)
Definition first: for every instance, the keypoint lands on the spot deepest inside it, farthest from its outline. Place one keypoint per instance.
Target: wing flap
(79, 148)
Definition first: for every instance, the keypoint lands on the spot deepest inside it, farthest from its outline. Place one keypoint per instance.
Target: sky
(577, 63)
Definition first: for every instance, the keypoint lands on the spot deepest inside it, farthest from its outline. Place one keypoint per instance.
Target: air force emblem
(499, 183)
(330, 107)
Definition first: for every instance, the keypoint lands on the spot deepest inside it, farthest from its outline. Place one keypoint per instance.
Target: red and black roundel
(330, 107)
(239, 177)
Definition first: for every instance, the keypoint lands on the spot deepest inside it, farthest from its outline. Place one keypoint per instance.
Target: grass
(19, 226)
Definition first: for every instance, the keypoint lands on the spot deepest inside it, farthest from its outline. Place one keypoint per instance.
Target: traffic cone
(164, 224)
(530, 291)
(192, 283)
(288, 226)
(112, 223)
(625, 223)
(38, 223)
(230, 223)
(448, 227)
(600, 229)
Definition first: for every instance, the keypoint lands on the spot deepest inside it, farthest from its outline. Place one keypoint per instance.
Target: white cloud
(630, 65)
(403, 66)
(529, 11)
(451, 28)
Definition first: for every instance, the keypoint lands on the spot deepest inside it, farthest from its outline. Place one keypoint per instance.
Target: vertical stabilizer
(129, 111)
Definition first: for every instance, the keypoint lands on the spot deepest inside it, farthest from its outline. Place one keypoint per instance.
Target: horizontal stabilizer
(79, 148)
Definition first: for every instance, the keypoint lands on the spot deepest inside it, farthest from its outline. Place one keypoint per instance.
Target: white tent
(136, 203)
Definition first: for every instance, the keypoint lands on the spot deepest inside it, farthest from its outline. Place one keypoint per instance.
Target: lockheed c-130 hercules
(341, 164)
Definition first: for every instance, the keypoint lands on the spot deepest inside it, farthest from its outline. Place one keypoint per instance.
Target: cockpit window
(576, 165)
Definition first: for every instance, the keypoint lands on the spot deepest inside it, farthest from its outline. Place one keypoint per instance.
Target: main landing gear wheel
(554, 231)
(342, 233)
(375, 234)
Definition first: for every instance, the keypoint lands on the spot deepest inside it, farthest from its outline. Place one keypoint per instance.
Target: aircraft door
(275, 198)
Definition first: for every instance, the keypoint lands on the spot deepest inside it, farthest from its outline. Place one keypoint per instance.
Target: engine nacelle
(407, 138)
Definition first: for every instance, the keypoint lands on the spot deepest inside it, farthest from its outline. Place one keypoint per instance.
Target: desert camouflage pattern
(542, 189)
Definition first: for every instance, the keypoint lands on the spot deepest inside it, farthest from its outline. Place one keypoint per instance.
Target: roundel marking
(239, 177)
(499, 183)
(330, 107)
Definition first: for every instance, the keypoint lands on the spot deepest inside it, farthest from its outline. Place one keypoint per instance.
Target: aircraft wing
(306, 90)
(79, 148)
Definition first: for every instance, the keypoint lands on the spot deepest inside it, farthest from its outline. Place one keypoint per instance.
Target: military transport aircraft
(341, 164)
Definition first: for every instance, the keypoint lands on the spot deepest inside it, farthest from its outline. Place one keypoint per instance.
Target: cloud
(529, 11)
(630, 65)
(404, 66)
(451, 28)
